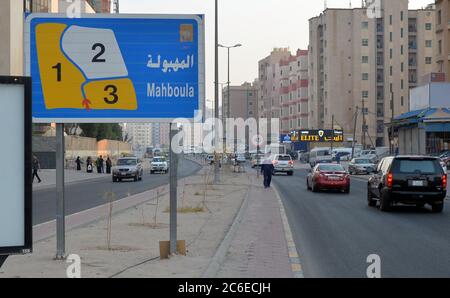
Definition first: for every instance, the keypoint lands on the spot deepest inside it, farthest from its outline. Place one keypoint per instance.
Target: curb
(220, 255)
(294, 258)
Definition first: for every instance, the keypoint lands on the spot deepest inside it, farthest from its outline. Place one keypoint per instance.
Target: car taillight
(291, 162)
(444, 181)
(390, 180)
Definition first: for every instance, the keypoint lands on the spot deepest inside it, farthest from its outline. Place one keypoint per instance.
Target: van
(320, 155)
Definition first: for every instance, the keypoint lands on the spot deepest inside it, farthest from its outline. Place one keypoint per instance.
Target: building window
(365, 94)
(439, 17)
(428, 43)
(365, 59)
(365, 25)
(440, 47)
(390, 20)
(390, 36)
(401, 15)
(428, 26)
(428, 60)
(365, 42)
(402, 101)
(365, 76)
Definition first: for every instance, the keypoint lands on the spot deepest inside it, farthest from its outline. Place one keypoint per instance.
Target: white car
(283, 163)
(159, 165)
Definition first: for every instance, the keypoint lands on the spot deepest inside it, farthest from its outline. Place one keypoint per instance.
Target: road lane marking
(294, 257)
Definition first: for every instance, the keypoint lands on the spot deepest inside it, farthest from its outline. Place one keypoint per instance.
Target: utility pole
(332, 128)
(216, 99)
(354, 133)
(364, 126)
(391, 129)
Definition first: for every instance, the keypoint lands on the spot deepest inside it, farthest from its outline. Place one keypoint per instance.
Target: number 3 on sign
(114, 98)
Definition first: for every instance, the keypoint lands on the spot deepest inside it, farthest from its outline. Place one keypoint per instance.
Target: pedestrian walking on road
(267, 170)
(108, 165)
(78, 162)
(36, 168)
(101, 164)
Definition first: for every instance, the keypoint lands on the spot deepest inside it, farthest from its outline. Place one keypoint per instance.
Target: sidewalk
(70, 176)
(259, 248)
(135, 233)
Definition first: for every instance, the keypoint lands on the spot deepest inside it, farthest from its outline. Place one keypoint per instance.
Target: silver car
(127, 168)
(361, 166)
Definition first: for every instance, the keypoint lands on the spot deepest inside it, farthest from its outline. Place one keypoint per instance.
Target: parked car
(159, 165)
(283, 163)
(361, 166)
(412, 180)
(319, 155)
(257, 160)
(128, 168)
(328, 176)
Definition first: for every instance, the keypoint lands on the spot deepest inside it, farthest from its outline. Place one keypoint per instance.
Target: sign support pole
(60, 204)
(173, 191)
(2, 260)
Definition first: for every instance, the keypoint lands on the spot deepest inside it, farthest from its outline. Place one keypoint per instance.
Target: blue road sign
(115, 68)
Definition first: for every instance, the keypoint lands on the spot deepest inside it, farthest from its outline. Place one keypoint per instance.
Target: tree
(102, 131)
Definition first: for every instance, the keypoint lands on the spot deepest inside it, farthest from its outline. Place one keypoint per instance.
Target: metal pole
(173, 191)
(332, 128)
(354, 133)
(60, 205)
(2, 260)
(216, 99)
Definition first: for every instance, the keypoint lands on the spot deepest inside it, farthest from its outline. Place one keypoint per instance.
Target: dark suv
(413, 180)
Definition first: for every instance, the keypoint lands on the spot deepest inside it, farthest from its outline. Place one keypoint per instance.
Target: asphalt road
(335, 233)
(89, 194)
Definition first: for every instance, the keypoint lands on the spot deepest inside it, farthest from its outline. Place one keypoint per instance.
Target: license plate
(334, 178)
(417, 183)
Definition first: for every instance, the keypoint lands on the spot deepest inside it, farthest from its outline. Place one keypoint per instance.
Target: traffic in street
(89, 194)
(335, 232)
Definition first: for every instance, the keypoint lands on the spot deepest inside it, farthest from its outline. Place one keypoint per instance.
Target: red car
(329, 177)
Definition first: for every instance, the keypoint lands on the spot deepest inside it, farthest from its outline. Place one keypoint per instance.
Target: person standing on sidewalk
(36, 168)
(267, 170)
(102, 165)
(89, 167)
(108, 165)
(78, 162)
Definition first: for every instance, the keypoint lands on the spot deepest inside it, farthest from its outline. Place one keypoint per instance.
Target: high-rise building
(443, 37)
(243, 101)
(361, 66)
(140, 136)
(283, 89)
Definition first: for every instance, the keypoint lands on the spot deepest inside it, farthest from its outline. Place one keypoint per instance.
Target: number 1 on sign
(58, 71)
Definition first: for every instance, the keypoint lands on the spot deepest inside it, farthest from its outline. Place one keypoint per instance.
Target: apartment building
(283, 89)
(242, 101)
(443, 37)
(140, 135)
(361, 67)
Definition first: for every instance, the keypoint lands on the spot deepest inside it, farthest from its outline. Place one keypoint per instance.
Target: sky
(259, 25)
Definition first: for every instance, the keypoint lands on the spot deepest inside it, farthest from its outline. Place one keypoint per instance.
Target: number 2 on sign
(113, 93)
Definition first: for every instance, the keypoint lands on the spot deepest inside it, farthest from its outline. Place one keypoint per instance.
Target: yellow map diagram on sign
(82, 68)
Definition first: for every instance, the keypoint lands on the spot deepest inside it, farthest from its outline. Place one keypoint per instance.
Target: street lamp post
(228, 85)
